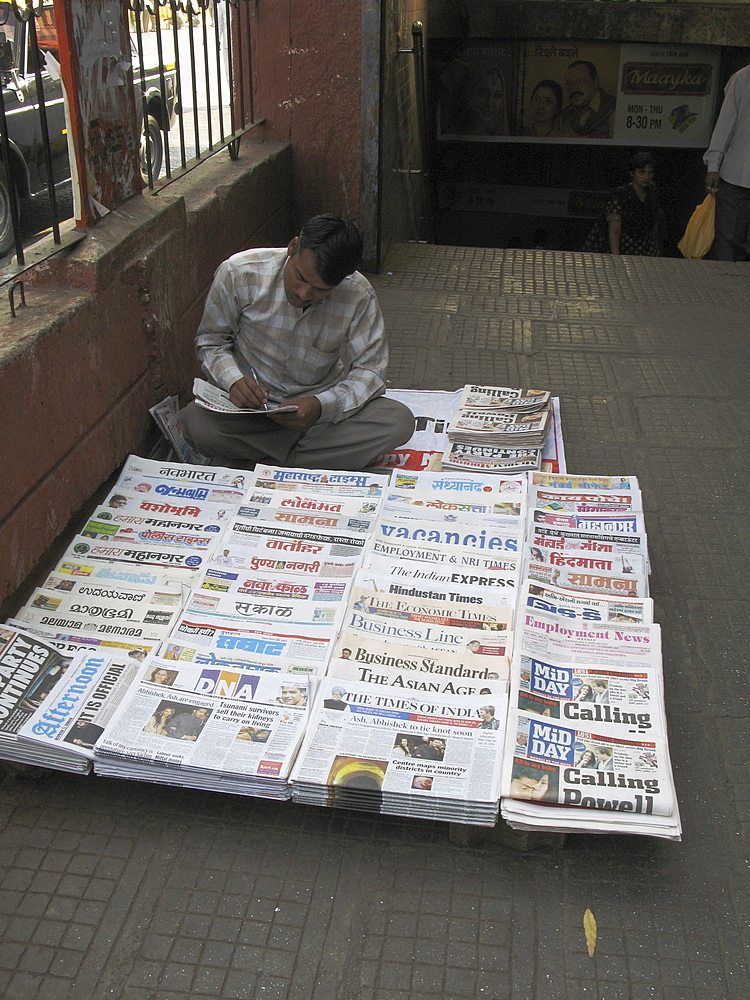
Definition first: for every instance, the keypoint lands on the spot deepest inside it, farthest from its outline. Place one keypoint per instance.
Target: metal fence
(192, 69)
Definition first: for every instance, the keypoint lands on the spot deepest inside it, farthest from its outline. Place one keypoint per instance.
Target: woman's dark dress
(637, 220)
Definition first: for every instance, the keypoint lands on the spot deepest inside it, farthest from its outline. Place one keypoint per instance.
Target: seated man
(297, 325)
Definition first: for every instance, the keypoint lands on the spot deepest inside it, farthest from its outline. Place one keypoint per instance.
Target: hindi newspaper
(64, 728)
(173, 481)
(279, 609)
(307, 518)
(252, 535)
(597, 572)
(290, 556)
(565, 482)
(274, 477)
(506, 513)
(588, 607)
(87, 550)
(612, 523)
(191, 652)
(277, 644)
(462, 484)
(547, 538)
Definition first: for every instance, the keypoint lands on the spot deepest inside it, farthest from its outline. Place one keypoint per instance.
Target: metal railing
(192, 69)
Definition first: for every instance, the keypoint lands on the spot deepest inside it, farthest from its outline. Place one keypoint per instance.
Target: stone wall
(107, 331)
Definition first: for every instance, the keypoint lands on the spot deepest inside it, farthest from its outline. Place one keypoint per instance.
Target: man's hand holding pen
(249, 393)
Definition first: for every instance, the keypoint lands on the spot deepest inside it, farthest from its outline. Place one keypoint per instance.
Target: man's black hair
(335, 244)
(589, 66)
(643, 158)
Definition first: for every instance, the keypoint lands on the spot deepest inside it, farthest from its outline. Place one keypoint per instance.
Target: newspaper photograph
(339, 504)
(384, 743)
(211, 397)
(466, 664)
(122, 504)
(496, 642)
(631, 700)
(549, 539)
(146, 577)
(234, 722)
(588, 607)
(584, 501)
(251, 534)
(132, 529)
(394, 607)
(506, 514)
(397, 550)
(59, 585)
(90, 550)
(121, 618)
(590, 768)
(78, 708)
(278, 609)
(586, 484)
(29, 669)
(319, 589)
(69, 643)
(405, 679)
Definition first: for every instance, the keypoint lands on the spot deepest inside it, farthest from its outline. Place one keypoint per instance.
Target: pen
(255, 376)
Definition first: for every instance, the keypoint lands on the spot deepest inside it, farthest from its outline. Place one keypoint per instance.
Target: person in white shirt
(297, 325)
(727, 161)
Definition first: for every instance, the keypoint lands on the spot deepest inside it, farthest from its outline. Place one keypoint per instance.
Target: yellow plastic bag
(699, 234)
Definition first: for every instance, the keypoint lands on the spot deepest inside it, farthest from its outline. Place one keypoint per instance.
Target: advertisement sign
(604, 93)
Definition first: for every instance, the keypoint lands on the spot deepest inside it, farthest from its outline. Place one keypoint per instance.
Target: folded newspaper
(381, 749)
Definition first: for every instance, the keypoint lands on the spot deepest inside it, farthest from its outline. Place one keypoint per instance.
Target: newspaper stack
(217, 729)
(67, 723)
(125, 577)
(502, 420)
(381, 749)
(586, 744)
(29, 670)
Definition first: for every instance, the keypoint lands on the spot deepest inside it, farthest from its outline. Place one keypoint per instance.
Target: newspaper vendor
(297, 325)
